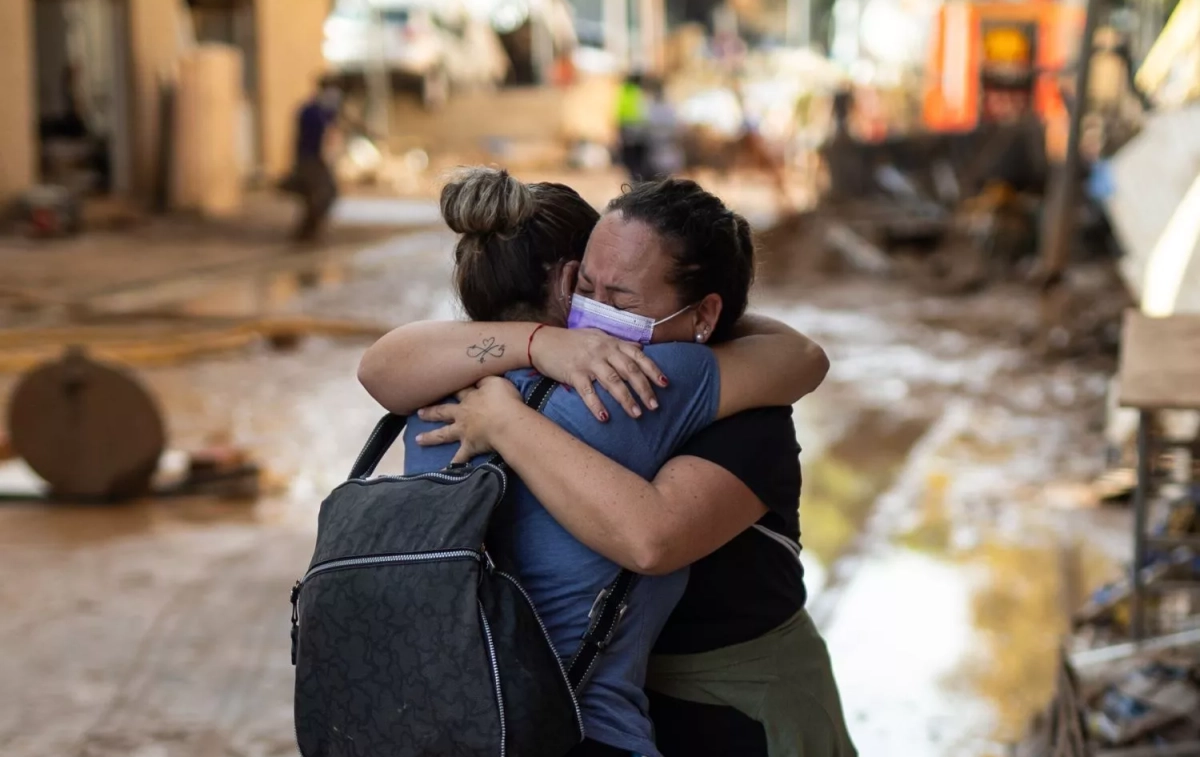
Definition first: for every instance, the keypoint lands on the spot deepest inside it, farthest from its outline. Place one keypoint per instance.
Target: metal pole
(1063, 196)
(1141, 505)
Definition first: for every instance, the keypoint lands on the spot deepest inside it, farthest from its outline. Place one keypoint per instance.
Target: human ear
(706, 315)
(567, 278)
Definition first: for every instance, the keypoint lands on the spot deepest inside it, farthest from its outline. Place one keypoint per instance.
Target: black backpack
(410, 638)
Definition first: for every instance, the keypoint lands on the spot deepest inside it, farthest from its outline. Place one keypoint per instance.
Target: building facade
(84, 83)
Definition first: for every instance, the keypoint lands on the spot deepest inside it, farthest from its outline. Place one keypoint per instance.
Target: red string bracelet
(529, 347)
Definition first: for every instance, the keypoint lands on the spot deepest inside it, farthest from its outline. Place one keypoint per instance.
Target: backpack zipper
(357, 562)
(549, 643)
(450, 478)
(487, 633)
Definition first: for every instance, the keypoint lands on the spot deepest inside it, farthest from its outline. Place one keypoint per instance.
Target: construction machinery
(991, 62)
(996, 170)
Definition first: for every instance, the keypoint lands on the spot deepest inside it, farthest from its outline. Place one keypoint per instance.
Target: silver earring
(699, 337)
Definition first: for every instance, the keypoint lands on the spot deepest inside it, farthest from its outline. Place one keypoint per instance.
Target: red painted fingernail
(603, 417)
(662, 380)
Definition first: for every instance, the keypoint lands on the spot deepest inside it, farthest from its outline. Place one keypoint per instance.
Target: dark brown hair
(514, 236)
(711, 244)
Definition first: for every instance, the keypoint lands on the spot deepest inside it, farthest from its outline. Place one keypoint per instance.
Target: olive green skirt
(783, 679)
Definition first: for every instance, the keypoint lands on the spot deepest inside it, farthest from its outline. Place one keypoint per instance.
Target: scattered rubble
(1137, 699)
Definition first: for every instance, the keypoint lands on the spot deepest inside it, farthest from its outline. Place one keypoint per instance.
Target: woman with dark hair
(517, 257)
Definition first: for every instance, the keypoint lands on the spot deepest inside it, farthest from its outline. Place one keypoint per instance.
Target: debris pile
(1126, 701)
(1141, 698)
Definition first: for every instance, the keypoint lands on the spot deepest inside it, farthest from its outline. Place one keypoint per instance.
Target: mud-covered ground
(943, 506)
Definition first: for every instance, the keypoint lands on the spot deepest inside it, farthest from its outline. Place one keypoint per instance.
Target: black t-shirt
(752, 584)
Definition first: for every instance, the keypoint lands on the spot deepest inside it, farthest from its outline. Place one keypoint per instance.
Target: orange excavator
(994, 62)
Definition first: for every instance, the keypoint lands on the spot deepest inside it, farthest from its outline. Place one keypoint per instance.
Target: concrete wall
(17, 118)
(154, 37)
(289, 63)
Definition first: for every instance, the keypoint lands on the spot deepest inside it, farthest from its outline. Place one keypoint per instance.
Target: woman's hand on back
(577, 357)
(480, 411)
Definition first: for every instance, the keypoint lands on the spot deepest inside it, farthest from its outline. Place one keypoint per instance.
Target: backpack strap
(390, 426)
(605, 615)
(386, 430)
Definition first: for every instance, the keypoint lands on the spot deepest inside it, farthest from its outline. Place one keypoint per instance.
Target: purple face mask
(589, 314)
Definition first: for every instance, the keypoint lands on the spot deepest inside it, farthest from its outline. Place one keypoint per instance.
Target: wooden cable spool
(91, 430)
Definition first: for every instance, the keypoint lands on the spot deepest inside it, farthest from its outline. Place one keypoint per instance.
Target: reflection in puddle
(952, 579)
(1019, 614)
(1021, 611)
(841, 485)
(900, 627)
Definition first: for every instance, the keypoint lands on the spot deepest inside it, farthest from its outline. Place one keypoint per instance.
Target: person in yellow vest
(631, 126)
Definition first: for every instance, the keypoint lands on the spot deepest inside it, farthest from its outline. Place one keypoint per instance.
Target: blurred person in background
(664, 154)
(312, 178)
(631, 125)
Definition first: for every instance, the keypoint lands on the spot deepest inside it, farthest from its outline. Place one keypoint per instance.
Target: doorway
(81, 65)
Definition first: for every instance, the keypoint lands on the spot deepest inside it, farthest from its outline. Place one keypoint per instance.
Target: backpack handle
(391, 426)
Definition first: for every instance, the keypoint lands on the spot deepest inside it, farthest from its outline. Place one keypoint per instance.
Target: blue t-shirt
(563, 577)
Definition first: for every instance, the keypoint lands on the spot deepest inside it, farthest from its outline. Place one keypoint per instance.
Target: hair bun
(486, 201)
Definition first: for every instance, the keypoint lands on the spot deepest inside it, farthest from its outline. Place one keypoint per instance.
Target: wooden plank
(1160, 362)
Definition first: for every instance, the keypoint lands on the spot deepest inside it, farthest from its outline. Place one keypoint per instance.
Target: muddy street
(942, 513)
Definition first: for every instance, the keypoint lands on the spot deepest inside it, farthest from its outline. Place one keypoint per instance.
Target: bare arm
(420, 363)
(767, 363)
(691, 508)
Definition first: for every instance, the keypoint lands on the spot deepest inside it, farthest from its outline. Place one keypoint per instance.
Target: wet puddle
(946, 620)
(941, 555)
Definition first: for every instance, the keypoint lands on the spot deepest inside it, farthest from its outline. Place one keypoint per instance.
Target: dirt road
(941, 486)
